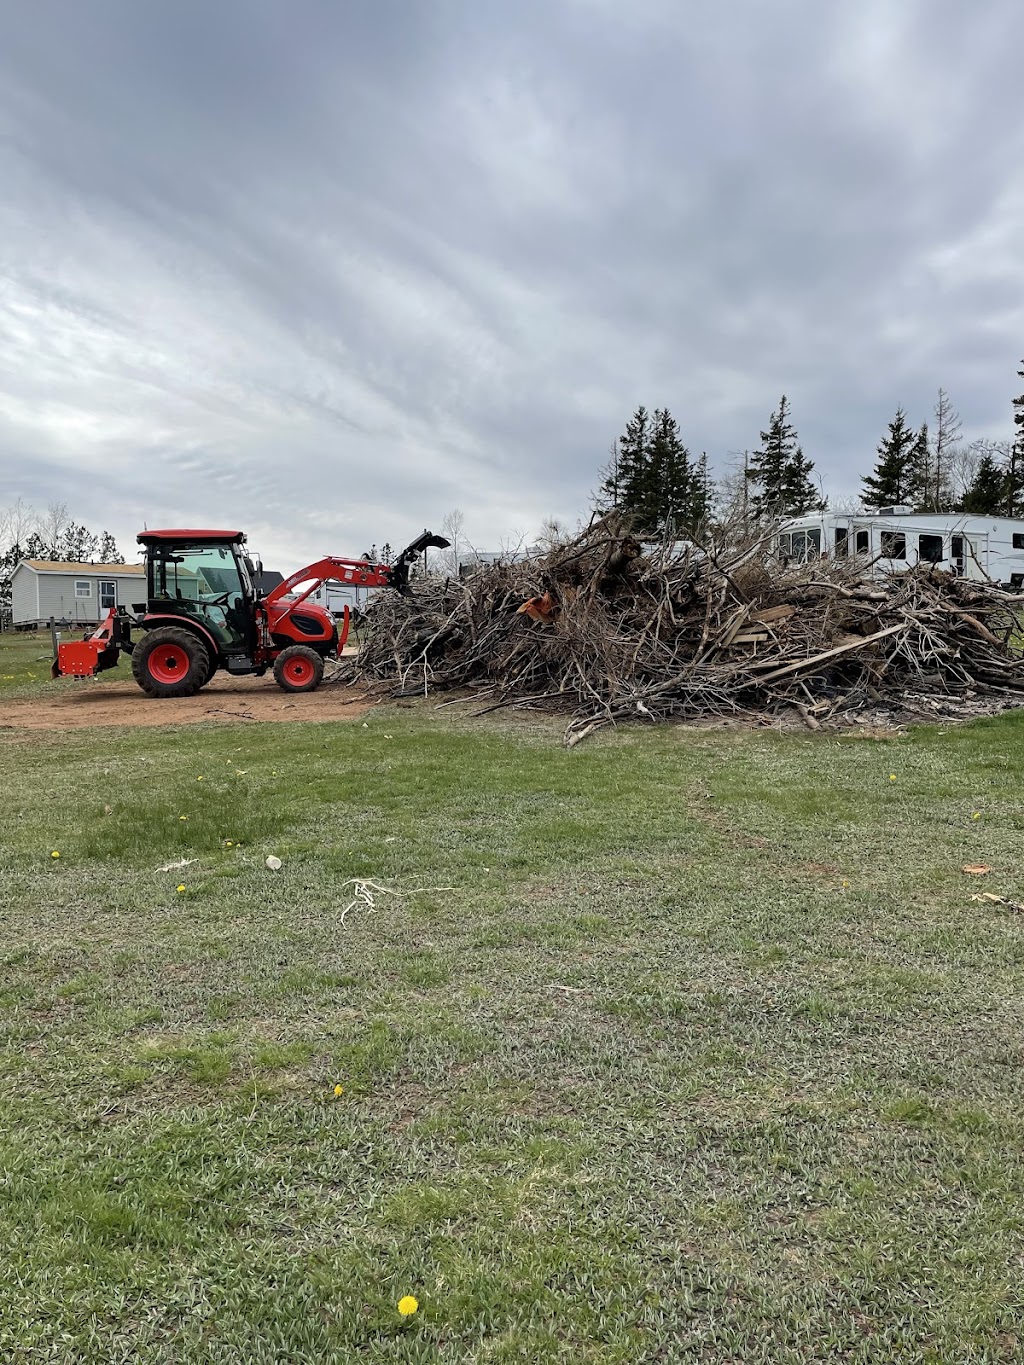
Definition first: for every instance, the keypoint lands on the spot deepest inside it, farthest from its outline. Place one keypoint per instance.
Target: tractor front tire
(171, 662)
(298, 669)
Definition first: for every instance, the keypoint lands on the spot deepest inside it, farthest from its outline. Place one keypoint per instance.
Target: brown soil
(223, 699)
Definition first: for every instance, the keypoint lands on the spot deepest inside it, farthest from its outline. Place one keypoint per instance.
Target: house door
(108, 595)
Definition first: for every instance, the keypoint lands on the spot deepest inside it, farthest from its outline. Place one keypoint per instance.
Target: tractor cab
(203, 579)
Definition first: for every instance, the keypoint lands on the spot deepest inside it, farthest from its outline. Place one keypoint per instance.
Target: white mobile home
(894, 539)
(72, 593)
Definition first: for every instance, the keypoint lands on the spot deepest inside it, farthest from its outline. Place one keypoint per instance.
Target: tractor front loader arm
(356, 573)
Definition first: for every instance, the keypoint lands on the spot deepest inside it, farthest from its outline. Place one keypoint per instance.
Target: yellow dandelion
(199, 778)
(227, 843)
(892, 777)
(182, 817)
(54, 854)
(182, 887)
(976, 815)
(407, 1306)
(339, 1090)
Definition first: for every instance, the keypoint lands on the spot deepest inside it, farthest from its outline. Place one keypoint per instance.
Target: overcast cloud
(326, 270)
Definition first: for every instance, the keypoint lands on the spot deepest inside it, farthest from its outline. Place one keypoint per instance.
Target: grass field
(25, 663)
(706, 1054)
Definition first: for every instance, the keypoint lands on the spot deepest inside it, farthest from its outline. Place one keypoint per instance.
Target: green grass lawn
(707, 1054)
(22, 665)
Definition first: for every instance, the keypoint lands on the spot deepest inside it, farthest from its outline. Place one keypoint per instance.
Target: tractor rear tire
(171, 662)
(298, 669)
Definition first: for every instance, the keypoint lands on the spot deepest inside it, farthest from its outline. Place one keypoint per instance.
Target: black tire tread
(307, 652)
(194, 680)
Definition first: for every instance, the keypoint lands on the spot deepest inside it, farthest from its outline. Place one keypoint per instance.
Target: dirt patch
(223, 699)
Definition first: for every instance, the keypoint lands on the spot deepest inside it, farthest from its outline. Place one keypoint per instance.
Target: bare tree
(512, 547)
(17, 523)
(53, 526)
(847, 507)
(963, 464)
(552, 534)
(453, 528)
(939, 494)
(732, 490)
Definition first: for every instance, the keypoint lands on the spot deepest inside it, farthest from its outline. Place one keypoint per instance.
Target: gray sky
(324, 270)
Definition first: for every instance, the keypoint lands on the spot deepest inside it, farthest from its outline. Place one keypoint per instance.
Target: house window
(108, 593)
(1018, 540)
(894, 545)
(842, 542)
(929, 549)
(83, 587)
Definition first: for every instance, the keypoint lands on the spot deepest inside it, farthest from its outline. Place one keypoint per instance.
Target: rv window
(785, 546)
(894, 545)
(929, 549)
(813, 543)
(863, 542)
(1018, 540)
(842, 542)
(799, 544)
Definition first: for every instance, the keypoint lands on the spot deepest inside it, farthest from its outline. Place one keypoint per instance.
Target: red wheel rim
(299, 671)
(168, 664)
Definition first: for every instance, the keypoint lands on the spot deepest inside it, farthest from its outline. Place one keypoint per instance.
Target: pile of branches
(608, 630)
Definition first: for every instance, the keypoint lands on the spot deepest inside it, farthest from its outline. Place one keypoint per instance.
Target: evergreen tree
(892, 481)
(36, 547)
(920, 489)
(799, 495)
(634, 464)
(781, 472)
(669, 480)
(985, 494)
(108, 550)
(77, 545)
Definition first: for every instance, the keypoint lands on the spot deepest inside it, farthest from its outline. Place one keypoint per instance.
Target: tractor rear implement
(203, 613)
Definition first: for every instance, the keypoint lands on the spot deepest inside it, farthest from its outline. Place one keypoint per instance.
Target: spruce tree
(985, 494)
(799, 493)
(781, 472)
(634, 465)
(920, 491)
(108, 550)
(669, 482)
(893, 477)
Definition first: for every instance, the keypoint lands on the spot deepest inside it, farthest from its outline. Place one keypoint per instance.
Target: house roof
(57, 566)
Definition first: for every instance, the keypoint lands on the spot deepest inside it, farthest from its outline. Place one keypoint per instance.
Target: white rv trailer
(894, 539)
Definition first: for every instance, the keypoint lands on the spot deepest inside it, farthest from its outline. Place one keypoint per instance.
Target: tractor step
(239, 663)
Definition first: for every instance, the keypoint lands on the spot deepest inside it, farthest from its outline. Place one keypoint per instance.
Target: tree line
(652, 476)
(50, 535)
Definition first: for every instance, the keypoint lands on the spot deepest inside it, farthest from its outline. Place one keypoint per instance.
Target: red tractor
(202, 612)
